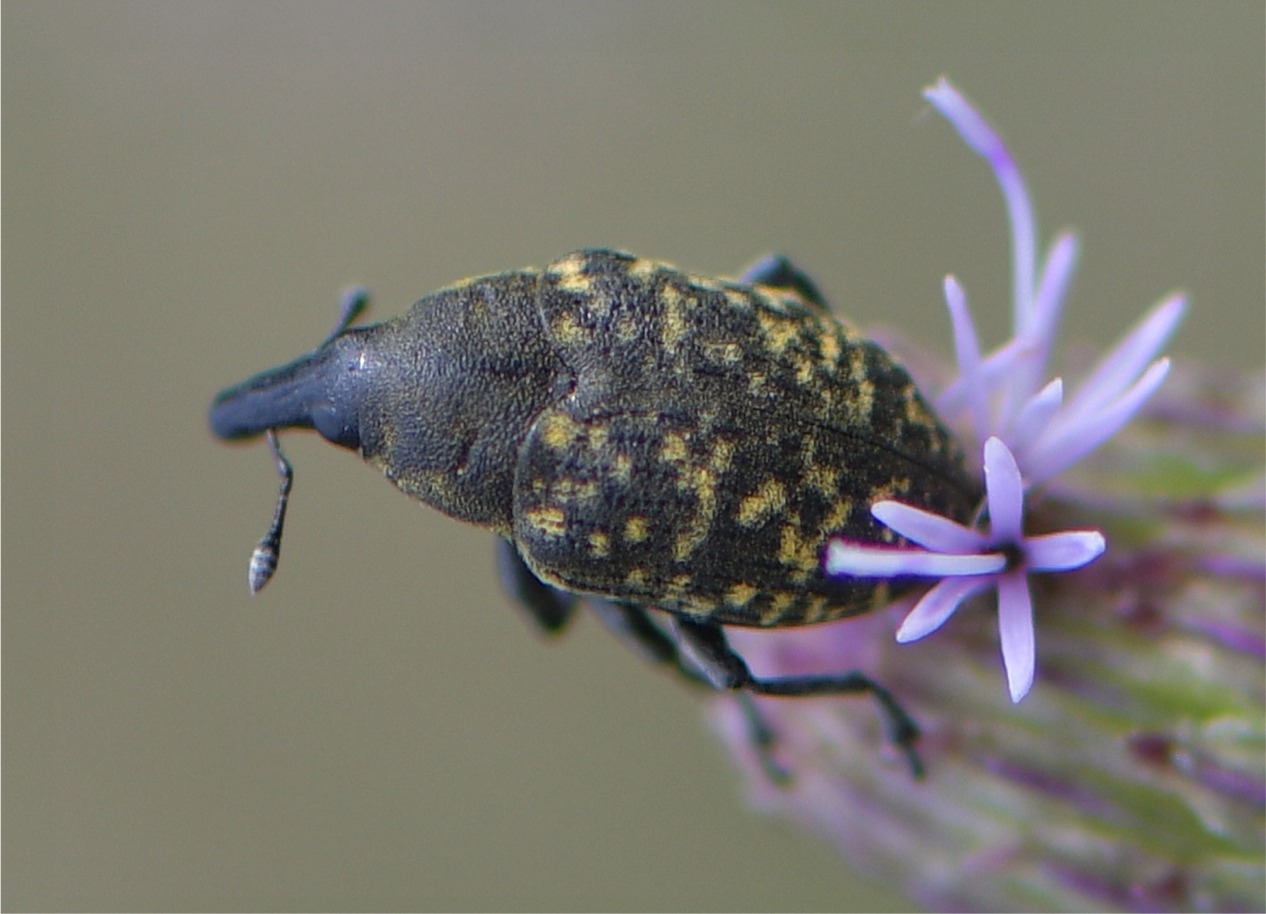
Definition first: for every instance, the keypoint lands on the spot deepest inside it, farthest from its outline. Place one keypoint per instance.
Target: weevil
(637, 438)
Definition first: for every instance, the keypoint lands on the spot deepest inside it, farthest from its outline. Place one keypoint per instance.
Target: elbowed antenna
(268, 552)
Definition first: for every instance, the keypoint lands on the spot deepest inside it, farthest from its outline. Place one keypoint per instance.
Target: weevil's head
(439, 398)
(324, 390)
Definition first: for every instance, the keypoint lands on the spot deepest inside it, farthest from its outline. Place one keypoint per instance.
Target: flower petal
(967, 348)
(1057, 272)
(1063, 551)
(1015, 631)
(1033, 418)
(1120, 368)
(1004, 490)
(995, 369)
(862, 560)
(929, 530)
(1048, 304)
(1067, 440)
(937, 605)
(984, 140)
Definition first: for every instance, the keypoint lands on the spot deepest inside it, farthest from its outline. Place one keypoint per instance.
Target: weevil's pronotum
(638, 437)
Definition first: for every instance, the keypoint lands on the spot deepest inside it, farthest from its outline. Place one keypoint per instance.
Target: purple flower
(1140, 758)
(1027, 432)
(1004, 393)
(969, 561)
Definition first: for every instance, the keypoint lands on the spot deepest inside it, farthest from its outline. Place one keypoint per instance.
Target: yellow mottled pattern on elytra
(738, 298)
(559, 430)
(822, 477)
(805, 370)
(762, 504)
(622, 468)
(701, 479)
(779, 605)
(710, 438)
(596, 436)
(680, 585)
(741, 594)
(838, 517)
(599, 544)
(674, 448)
(777, 332)
(857, 366)
(567, 489)
(548, 519)
(798, 552)
(815, 609)
(635, 529)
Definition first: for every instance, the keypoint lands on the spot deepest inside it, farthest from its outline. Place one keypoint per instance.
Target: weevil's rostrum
(641, 433)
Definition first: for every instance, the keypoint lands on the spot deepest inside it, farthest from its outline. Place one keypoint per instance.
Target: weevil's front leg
(707, 645)
(548, 606)
(778, 271)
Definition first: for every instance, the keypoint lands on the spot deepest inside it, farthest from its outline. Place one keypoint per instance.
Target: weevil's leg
(778, 271)
(763, 739)
(549, 607)
(633, 625)
(707, 646)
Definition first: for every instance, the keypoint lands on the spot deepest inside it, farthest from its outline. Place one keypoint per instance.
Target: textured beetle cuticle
(638, 435)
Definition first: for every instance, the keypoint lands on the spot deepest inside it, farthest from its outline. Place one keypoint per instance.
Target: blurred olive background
(187, 188)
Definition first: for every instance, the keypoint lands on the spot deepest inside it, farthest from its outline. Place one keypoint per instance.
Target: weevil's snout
(321, 390)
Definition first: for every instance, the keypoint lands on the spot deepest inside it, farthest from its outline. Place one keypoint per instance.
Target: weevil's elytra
(639, 434)
(738, 429)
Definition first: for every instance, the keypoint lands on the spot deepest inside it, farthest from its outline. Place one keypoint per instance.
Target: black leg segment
(706, 644)
(633, 625)
(778, 271)
(548, 606)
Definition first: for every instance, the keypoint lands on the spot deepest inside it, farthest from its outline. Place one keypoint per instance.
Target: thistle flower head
(1132, 776)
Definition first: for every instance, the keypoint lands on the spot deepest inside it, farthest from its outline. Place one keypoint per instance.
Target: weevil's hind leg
(778, 271)
(633, 625)
(707, 646)
(763, 739)
(548, 606)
